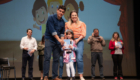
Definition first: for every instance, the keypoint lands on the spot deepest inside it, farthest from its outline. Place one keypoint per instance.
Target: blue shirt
(54, 26)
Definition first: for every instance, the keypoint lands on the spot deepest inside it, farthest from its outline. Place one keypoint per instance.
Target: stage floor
(79, 79)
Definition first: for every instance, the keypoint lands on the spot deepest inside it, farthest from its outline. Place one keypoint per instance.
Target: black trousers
(94, 57)
(41, 62)
(25, 58)
(117, 68)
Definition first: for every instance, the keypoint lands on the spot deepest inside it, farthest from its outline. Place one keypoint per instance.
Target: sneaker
(57, 78)
(115, 78)
(82, 78)
(121, 77)
(60, 77)
(45, 78)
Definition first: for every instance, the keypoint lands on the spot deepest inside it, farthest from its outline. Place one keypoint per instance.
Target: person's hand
(100, 39)
(61, 41)
(73, 58)
(93, 34)
(76, 41)
(25, 48)
(70, 46)
(122, 43)
(64, 56)
(32, 51)
(63, 47)
(116, 47)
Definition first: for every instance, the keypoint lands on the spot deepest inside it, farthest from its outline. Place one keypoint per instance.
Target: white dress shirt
(29, 43)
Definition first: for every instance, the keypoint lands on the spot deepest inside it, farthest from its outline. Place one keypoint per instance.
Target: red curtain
(122, 21)
(4, 1)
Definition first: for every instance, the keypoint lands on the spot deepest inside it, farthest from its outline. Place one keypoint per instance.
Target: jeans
(79, 57)
(117, 61)
(97, 56)
(49, 48)
(61, 64)
(0, 73)
(25, 58)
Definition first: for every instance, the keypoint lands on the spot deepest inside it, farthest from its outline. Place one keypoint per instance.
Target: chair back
(4, 61)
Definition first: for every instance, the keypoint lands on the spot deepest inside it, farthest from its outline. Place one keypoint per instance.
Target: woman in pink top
(79, 29)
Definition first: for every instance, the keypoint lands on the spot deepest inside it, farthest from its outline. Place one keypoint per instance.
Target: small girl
(69, 54)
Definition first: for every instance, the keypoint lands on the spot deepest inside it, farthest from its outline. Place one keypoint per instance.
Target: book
(119, 44)
(67, 43)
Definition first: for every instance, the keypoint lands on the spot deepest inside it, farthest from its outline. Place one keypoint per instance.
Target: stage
(77, 79)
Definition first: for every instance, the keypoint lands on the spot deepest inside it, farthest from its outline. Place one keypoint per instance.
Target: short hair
(95, 29)
(62, 7)
(28, 30)
(38, 4)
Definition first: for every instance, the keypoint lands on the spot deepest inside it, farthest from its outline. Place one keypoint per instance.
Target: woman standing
(79, 29)
(40, 49)
(116, 47)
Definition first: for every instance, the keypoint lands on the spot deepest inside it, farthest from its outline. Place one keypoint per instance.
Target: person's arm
(35, 47)
(74, 47)
(111, 47)
(83, 28)
(22, 45)
(77, 40)
(62, 31)
(72, 56)
(90, 40)
(66, 27)
(50, 27)
(64, 54)
(35, 26)
(103, 41)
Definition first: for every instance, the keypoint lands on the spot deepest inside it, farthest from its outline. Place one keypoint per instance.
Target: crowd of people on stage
(53, 42)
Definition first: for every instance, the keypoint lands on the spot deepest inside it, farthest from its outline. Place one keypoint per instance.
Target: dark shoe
(23, 78)
(68, 78)
(92, 78)
(73, 78)
(60, 77)
(57, 78)
(31, 79)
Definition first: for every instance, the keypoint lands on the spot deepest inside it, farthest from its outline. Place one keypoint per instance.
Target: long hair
(43, 40)
(71, 32)
(113, 36)
(70, 20)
